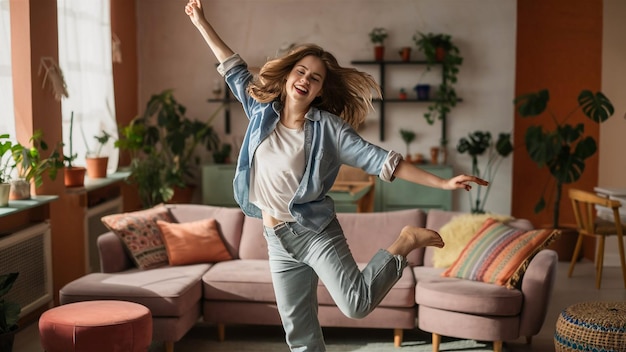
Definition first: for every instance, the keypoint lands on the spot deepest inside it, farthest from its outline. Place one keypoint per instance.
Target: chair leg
(600, 262)
(169, 346)
(436, 342)
(579, 245)
(221, 332)
(620, 246)
(497, 346)
(397, 337)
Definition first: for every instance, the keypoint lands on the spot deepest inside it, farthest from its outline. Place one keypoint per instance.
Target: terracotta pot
(434, 155)
(379, 53)
(405, 53)
(75, 176)
(20, 189)
(440, 54)
(97, 166)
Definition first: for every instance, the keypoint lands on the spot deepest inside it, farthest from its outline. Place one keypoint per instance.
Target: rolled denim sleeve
(389, 166)
(230, 62)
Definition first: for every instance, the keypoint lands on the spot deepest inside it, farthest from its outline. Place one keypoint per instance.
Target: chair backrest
(584, 204)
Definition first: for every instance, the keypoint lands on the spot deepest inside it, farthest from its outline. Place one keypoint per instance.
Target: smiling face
(305, 80)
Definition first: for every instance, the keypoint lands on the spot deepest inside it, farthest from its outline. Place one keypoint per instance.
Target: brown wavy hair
(346, 92)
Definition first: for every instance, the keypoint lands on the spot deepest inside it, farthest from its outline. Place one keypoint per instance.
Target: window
(7, 118)
(86, 61)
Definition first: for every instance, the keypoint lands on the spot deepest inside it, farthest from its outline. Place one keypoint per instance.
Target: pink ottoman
(96, 326)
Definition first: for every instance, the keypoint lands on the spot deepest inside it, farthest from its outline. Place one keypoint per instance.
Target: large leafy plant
(31, 162)
(163, 143)
(564, 149)
(476, 144)
(9, 311)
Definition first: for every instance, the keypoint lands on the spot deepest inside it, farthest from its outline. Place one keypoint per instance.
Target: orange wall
(559, 47)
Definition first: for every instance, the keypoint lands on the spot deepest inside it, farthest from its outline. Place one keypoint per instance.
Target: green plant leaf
(504, 147)
(532, 104)
(595, 106)
(541, 204)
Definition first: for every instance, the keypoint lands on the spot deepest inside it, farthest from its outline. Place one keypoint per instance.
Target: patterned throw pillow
(193, 242)
(141, 235)
(499, 254)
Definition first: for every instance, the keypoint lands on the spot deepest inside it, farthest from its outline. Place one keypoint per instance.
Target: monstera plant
(563, 149)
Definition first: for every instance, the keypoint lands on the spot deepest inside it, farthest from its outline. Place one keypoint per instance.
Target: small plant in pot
(408, 137)
(74, 175)
(476, 144)
(96, 162)
(9, 312)
(440, 49)
(7, 165)
(31, 165)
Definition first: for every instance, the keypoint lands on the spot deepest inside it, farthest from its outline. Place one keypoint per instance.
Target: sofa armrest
(537, 285)
(113, 256)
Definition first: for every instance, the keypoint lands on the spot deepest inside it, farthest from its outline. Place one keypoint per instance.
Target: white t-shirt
(277, 169)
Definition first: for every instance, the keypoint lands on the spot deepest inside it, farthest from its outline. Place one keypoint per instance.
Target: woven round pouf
(96, 326)
(592, 326)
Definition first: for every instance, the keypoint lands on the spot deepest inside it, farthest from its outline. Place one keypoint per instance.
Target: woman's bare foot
(412, 237)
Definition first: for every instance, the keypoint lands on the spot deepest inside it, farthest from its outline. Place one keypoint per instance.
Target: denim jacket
(329, 142)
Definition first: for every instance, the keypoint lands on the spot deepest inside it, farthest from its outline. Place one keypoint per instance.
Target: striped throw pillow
(499, 253)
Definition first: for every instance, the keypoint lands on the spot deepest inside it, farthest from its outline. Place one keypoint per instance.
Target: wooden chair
(589, 225)
(350, 175)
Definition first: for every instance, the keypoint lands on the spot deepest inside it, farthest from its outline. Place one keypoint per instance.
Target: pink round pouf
(96, 326)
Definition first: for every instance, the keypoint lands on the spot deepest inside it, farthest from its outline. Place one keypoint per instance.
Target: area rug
(270, 339)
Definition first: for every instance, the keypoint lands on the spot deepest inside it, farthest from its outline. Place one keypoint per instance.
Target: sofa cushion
(499, 253)
(239, 280)
(366, 233)
(166, 291)
(193, 242)
(456, 234)
(468, 296)
(253, 244)
(229, 221)
(141, 235)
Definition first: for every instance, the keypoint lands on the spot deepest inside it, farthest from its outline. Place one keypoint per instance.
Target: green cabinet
(401, 194)
(217, 189)
(217, 185)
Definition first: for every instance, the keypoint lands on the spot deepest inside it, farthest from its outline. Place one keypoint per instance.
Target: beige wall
(612, 169)
(173, 55)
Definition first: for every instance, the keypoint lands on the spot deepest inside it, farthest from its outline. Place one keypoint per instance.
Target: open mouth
(301, 90)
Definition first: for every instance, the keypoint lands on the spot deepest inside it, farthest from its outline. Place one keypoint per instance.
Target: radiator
(28, 252)
(94, 228)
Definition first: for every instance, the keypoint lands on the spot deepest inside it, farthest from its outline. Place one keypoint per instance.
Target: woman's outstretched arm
(194, 10)
(411, 173)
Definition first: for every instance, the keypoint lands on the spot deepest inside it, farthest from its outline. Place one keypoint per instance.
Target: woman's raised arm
(194, 10)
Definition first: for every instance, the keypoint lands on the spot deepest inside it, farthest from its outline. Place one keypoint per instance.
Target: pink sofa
(240, 291)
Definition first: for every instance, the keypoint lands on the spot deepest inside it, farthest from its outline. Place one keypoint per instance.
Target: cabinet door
(401, 194)
(217, 185)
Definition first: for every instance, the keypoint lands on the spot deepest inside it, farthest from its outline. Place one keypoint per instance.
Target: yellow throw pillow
(193, 242)
(457, 233)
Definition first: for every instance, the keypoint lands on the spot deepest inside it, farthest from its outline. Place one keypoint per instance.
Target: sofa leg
(169, 346)
(397, 337)
(436, 342)
(221, 332)
(497, 346)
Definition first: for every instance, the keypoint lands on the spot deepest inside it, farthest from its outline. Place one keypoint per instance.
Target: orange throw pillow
(193, 242)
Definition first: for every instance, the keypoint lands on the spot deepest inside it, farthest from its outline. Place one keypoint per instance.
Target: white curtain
(86, 60)
(7, 118)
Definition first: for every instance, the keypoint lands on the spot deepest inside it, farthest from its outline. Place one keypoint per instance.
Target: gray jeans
(298, 257)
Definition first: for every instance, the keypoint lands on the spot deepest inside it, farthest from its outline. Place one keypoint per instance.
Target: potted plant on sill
(74, 175)
(9, 313)
(96, 162)
(439, 49)
(6, 168)
(408, 137)
(377, 37)
(31, 165)
(564, 149)
(476, 144)
(163, 143)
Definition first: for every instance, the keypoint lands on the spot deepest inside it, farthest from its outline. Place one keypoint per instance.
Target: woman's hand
(463, 181)
(193, 9)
